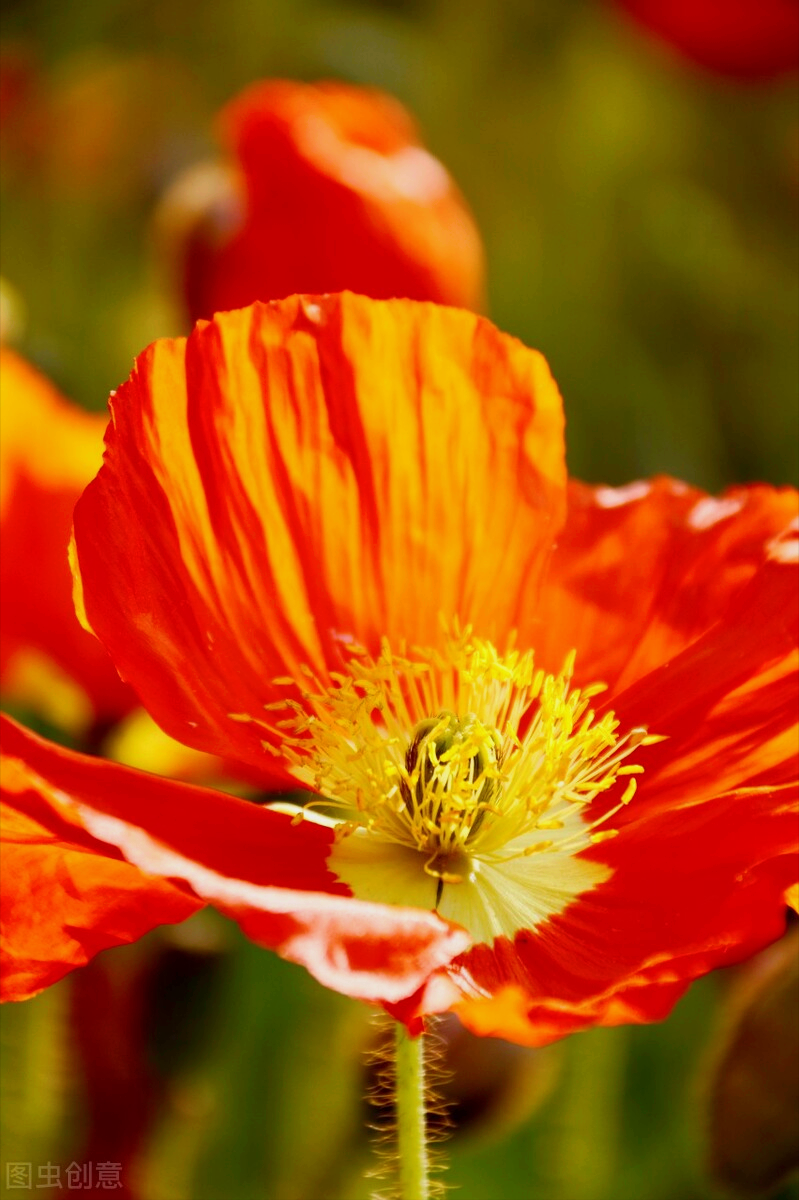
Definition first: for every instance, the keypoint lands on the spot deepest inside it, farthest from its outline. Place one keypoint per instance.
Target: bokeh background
(639, 220)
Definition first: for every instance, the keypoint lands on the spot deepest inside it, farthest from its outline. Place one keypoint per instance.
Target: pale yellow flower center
(468, 769)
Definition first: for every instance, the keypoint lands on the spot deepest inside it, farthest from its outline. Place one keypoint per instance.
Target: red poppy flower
(333, 538)
(331, 189)
(49, 450)
(746, 39)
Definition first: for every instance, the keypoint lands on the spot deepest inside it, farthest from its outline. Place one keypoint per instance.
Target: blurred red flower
(746, 39)
(327, 187)
(326, 538)
(95, 126)
(49, 450)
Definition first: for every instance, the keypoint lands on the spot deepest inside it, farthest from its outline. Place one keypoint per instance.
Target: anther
(450, 779)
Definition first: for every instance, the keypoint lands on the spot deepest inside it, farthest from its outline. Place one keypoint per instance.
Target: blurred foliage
(639, 222)
(260, 1096)
(638, 214)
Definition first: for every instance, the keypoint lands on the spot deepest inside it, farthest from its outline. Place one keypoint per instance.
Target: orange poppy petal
(641, 571)
(304, 472)
(509, 1013)
(689, 896)
(335, 192)
(65, 894)
(728, 704)
(49, 450)
(97, 854)
(704, 855)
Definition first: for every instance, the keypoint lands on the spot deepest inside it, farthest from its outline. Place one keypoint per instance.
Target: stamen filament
(459, 754)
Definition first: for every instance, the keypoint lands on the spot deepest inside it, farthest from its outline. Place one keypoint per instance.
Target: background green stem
(414, 1167)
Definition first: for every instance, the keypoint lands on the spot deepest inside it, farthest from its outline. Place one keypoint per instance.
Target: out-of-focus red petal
(745, 39)
(641, 571)
(49, 450)
(302, 473)
(335, 192)
(97, 848)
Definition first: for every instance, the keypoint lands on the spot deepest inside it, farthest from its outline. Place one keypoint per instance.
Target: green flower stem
(414, 1166)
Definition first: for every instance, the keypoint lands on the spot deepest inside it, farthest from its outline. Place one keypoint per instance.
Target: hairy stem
(414, 1166)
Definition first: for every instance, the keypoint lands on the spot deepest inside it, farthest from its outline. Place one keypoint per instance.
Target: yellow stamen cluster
(451, 776)
(460, 753)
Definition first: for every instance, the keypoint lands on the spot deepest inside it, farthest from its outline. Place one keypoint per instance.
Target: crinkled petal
(689, 897)
(65, 894)
(641, 571)
(96, 854)
(299, 474)
(728, 704)
(705, 854)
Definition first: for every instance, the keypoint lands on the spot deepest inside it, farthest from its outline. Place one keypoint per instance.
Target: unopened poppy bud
(325, 188)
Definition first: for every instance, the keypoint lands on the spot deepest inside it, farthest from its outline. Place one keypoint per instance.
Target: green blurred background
(639, 219)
